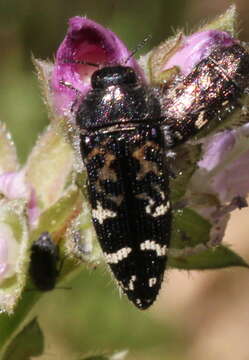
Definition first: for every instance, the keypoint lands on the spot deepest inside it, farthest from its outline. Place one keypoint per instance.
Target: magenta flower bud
(197, 47)
(89, 43)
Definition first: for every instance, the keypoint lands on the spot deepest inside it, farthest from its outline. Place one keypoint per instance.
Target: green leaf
(28, 342)
(10, 325)
(191, 248)
(8, 156)
(189, 229)
(56, 218)
(208, 258)
(49, 166)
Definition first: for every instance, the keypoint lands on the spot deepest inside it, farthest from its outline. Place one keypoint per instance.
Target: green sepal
(44, 72)
(224, 22)
(157, 57)
(49, 166)
(57, 217)
(81, 240)
(13, 217)
(191, 248)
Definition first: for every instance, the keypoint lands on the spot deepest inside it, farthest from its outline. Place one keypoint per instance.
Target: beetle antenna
(138, 47)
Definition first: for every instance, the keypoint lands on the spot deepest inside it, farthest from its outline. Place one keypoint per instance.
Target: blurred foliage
(91, 317)
(100, 320)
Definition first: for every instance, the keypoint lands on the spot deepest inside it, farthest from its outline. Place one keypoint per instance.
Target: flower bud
(86, 47)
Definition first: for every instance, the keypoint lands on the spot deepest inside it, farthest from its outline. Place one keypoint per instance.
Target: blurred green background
(92, 317)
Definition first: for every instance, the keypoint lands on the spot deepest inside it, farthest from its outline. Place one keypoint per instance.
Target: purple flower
(215, 149)
(225, 164)
(196, 47)
(89, 42)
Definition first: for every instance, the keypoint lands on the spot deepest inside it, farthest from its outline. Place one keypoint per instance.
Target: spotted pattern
(100, 214)
(123, 148)
(201, 120)
(152, 281)
(131, 206)
(146, 165)
(115, 258)
(160, 250)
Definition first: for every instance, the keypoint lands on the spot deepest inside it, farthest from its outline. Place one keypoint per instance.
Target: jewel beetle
(125, 131)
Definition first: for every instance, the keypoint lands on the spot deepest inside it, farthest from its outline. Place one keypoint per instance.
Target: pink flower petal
(224, 168)
(197, 47)
(215, 149)
(13, 185)
(33, 209)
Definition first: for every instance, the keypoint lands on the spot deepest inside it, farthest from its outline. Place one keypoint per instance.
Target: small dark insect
(44, 265)
(125, 132)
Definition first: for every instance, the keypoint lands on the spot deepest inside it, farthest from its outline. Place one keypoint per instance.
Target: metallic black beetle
(124, 134)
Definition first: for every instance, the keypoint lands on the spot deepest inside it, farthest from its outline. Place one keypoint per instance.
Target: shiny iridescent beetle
(125, 132)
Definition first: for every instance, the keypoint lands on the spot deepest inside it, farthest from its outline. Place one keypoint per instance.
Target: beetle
(125, 130)
(44, 262)
(204, 99)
